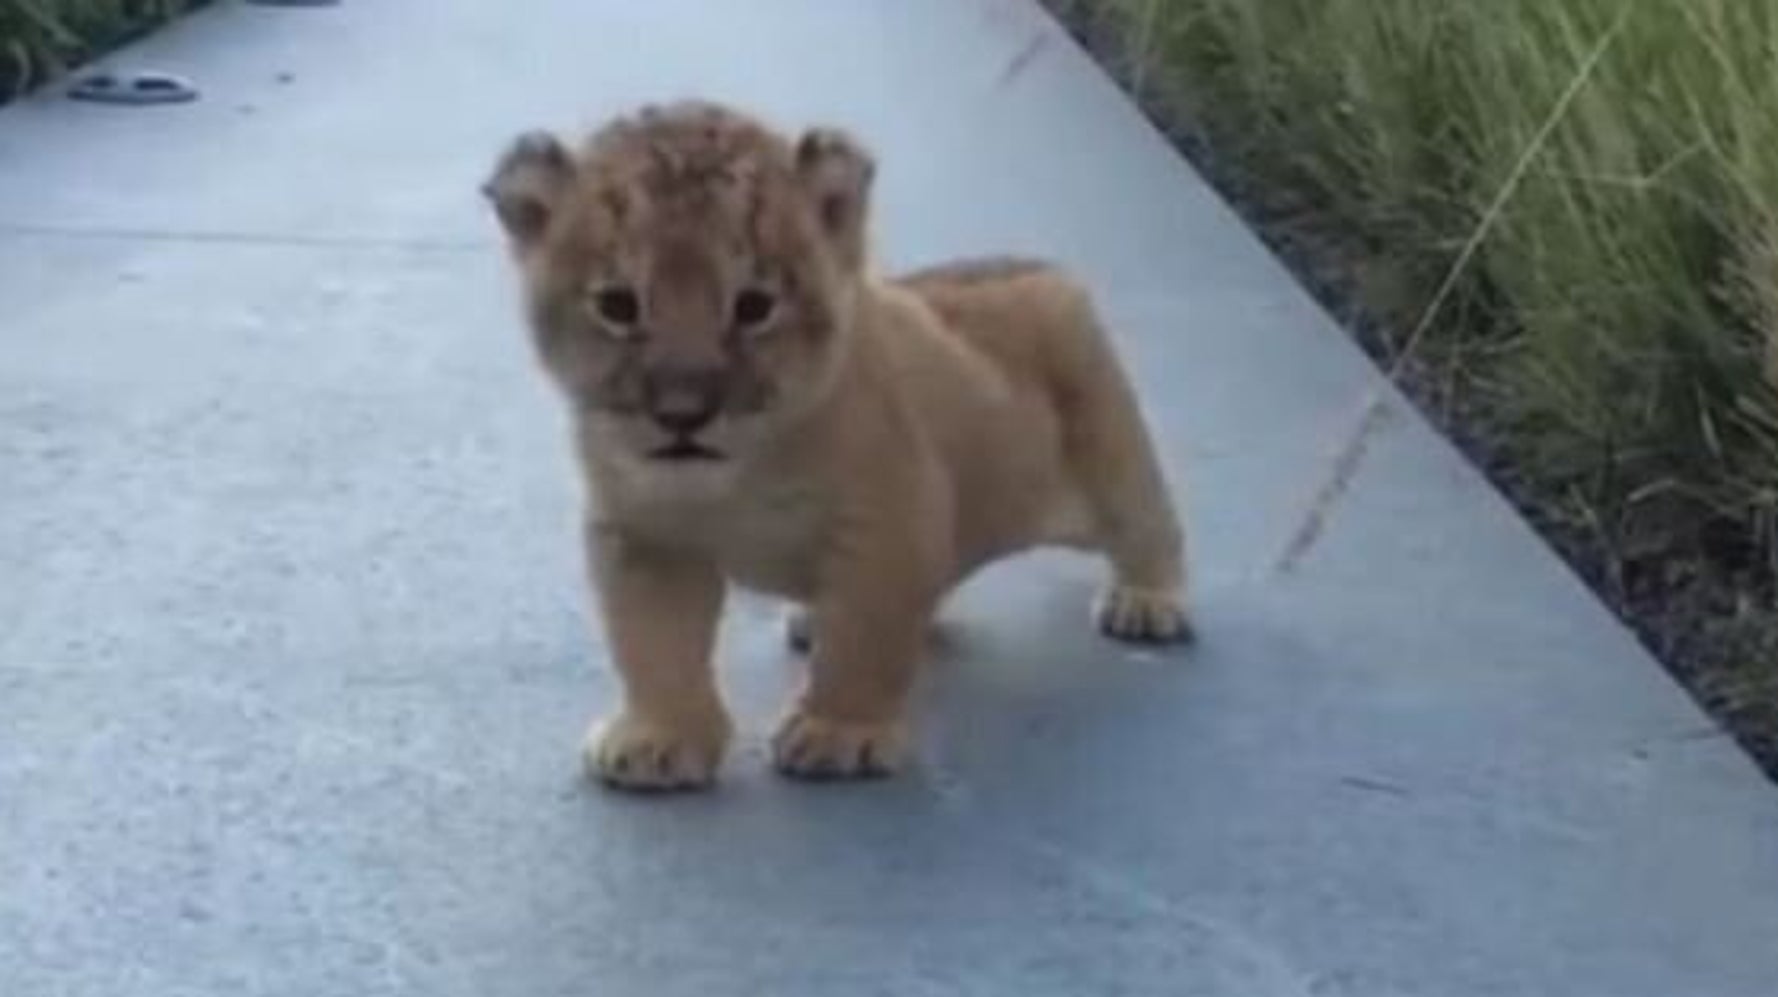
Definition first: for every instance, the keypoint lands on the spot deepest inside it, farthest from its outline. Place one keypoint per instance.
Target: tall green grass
(39, 38)
(1618, 332)
(1614, 344)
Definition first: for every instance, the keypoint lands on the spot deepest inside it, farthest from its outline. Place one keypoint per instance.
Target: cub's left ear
(527, 186)
(837, 172)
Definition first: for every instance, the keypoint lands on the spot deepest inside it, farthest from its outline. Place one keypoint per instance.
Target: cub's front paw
(1143, 615)
(646, 755)
(813, 747)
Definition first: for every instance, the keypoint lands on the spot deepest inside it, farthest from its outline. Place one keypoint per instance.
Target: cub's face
(688, 275)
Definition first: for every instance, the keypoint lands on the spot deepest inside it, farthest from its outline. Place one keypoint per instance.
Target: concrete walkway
(294, 660)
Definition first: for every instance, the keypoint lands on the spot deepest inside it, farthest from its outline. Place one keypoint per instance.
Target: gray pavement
(294, 657)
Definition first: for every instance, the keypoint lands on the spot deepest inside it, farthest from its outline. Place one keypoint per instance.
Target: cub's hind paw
(799, 631)
(1143, 615)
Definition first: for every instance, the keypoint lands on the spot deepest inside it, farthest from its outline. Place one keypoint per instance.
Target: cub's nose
(683, 400)
(684, 421)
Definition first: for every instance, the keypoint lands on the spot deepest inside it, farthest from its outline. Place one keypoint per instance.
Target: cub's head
(688, 274)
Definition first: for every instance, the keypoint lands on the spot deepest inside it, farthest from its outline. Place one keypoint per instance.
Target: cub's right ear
(527, 186)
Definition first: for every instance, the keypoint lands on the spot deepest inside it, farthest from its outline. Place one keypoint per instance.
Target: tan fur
(875, 441)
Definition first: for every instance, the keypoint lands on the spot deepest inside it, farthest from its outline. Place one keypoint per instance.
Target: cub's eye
(617, 305)
(753, 308)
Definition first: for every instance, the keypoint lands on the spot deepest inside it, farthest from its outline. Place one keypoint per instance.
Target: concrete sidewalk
(294, 658)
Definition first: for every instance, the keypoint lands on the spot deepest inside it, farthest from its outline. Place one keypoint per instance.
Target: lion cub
(753, 404)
